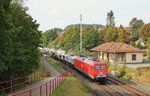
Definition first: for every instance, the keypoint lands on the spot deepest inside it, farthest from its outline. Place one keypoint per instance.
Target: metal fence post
(58, 81)
(55, 83)
(50, 87)
(40, 90)
(46, 90)
(11, 84)
(30, 92)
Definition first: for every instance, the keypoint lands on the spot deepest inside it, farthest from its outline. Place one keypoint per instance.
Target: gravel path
(48, 67)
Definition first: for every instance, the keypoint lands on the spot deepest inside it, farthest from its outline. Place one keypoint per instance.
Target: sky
(60, 13)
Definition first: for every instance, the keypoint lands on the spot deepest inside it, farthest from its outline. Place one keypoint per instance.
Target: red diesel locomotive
(96, 70)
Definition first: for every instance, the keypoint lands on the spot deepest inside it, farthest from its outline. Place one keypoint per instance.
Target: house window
(133, 57)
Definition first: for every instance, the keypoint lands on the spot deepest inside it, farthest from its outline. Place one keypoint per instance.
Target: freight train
(96, 70)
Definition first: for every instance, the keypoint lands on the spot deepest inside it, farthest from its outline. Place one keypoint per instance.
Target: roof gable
(115, 47)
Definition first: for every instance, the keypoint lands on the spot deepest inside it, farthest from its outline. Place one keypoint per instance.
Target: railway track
(122, 89)
(107, 90)
(127, 87)
(99, 89)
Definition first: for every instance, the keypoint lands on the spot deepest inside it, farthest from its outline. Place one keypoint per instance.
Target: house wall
(105, 56)
(139, 58)
(99, 55)
(127, 57)
(111, 56)
(102, 55)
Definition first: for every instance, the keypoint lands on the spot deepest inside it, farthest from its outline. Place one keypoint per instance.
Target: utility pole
(115, 56)
(80, 33)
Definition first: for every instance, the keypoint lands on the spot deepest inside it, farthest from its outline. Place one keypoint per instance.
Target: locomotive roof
(88, 60)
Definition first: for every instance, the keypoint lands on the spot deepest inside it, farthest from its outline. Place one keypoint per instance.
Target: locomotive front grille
(100, 75)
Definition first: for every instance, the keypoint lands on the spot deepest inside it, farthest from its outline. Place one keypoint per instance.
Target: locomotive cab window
(103, 67)
(97, 67)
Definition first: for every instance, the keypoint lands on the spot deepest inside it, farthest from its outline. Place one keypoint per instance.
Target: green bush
(108, 62)
(121, 71)
(129, 77)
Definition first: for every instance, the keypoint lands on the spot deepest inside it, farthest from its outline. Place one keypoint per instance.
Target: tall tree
(135, 26)
(6, 30)
(26, 40)
(110, 19)
(19, 41)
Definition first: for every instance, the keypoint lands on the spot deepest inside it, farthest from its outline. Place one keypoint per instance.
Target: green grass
(56, 65)
(140, 74)
(71, 86)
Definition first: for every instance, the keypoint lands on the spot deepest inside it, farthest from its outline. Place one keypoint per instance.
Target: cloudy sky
(60, 13)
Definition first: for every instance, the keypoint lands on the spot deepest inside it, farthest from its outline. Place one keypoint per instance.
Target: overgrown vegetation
(71, 86)
(148, 51)
(141, 74)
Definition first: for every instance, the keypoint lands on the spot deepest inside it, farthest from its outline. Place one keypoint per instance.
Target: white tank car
(59, 54)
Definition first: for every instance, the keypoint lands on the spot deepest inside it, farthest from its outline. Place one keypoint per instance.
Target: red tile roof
(111, 47)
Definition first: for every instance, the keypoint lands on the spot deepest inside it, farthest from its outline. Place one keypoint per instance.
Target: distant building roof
(112, 47)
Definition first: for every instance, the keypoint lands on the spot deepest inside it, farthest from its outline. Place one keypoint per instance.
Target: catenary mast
(81, 33)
